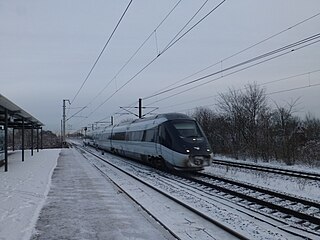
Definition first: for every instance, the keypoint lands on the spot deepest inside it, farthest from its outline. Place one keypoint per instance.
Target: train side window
(122, 136)
(119, 136)
(106, 136)
(137, 136)
(128, 136)
(149, 135)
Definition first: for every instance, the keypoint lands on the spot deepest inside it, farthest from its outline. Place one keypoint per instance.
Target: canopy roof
(17, 116)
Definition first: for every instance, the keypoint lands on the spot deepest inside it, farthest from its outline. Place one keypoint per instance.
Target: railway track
(304, 213)
(213, 227)
(282, 171)
(206, 190)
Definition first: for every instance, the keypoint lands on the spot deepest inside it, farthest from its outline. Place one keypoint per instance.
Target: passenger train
(171, 140)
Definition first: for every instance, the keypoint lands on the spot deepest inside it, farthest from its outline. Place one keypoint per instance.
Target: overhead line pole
(140, 108)
(64, 121)
(6, 140)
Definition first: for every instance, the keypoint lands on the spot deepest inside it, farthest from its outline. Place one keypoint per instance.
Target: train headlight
(187, 150)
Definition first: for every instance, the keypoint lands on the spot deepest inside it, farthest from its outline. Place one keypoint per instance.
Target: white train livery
(170, 140)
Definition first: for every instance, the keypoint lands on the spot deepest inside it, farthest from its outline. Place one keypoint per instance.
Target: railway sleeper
(317, 228)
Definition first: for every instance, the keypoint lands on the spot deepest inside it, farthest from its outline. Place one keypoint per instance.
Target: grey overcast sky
(47, 49)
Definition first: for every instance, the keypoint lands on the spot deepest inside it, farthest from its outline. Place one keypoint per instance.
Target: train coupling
(202, 160)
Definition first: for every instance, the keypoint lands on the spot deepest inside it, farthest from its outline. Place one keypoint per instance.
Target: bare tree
(244, 110)
(214, 127)
(284, 125)
(308, 137)
(230, 107)
(245, 125)
(255, 110)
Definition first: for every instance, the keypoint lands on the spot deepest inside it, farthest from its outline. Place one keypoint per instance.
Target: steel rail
(123, 190)
(312, 219)
(222, 226)
(282, 171)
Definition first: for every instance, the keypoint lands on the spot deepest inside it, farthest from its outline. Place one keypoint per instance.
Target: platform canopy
(17, 116)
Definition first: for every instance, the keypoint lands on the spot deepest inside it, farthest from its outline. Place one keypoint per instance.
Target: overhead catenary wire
(174, 39)
(101, 52)
(135, 53)
(271, 93)
(73, 115)
(288, 49)
(169, 45)
(187, 23)
(186, 32)
(132, 56)
(267, 94)
(261, 84)
(293, 89)
(242, 69)
(259, 63)
(172, 43)
(291, 47)
(241, 51)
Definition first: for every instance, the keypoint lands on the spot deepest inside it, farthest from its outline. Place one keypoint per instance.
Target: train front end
(191, 149)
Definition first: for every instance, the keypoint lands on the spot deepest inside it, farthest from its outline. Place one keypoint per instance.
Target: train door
(158, 135)
(164, 145)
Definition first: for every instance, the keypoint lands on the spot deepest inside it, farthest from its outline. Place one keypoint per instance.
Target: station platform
(80, 204)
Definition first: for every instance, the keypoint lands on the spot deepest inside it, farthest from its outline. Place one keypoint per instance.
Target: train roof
(168, 116)
(143, 123)
(171, 116)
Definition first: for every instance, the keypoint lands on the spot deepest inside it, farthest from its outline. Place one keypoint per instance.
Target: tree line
(245, 125)
(49, 139)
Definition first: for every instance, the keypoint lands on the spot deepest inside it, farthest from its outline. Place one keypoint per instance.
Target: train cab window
(188, 129)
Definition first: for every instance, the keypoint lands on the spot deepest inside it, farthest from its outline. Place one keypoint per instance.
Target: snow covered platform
(23, 191)
(57, 194)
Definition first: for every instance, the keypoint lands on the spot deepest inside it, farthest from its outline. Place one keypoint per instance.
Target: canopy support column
(22, 140)
(6, 141)
(37, 139)
(31, 140)
(12, 139)
(41, 138)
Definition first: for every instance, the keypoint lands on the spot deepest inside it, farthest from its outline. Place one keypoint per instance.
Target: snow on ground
(83, 204)
(306, 188)
(23, 191)
(272, 163)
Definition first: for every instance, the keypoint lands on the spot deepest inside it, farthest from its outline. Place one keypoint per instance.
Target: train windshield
(188, 129)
